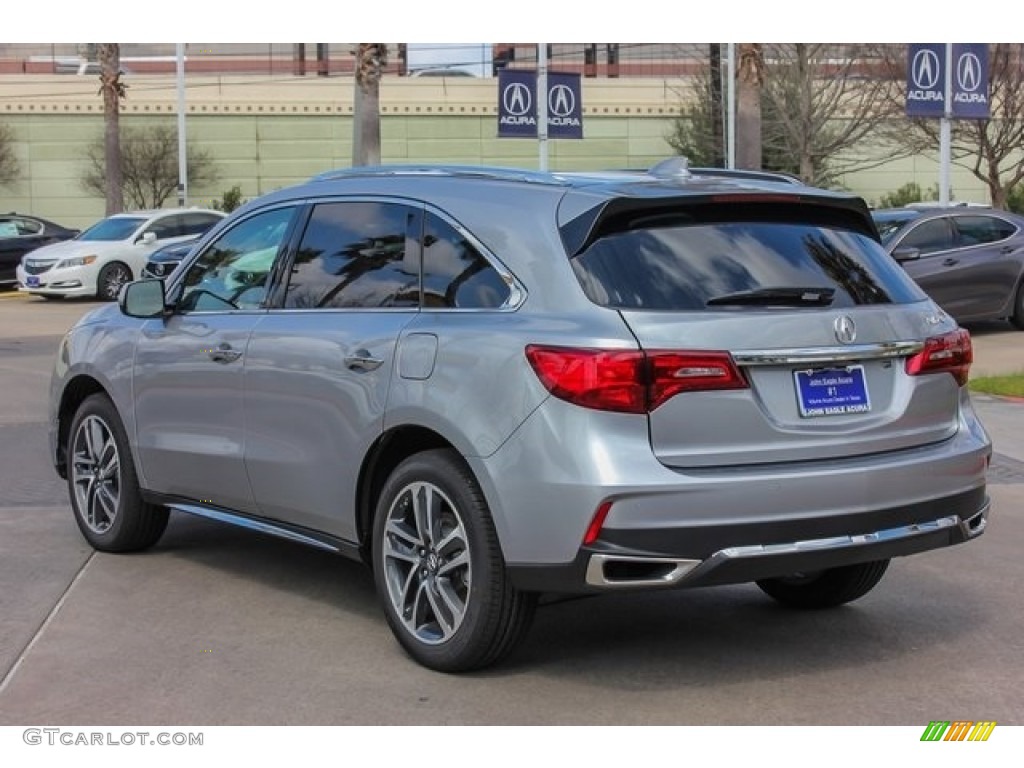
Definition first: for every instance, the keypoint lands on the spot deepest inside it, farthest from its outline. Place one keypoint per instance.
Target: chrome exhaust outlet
(622, 571)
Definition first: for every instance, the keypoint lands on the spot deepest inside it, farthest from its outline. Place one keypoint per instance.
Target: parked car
(165, 260)
(109, 254)
(969, 259)
(20, 234)
(491, 384)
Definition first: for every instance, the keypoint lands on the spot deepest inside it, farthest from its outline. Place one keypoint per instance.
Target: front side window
(930, 237)
(357, 255)
(455, 275)
(233, 271)
(168, 226)
(198, 223)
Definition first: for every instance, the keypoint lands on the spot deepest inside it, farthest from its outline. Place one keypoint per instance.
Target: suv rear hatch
(774, 329)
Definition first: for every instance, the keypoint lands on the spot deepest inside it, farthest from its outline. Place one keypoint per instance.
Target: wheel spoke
(108, 460)
(400, 531)
(453, 602)
(440, 613)
(461, 560)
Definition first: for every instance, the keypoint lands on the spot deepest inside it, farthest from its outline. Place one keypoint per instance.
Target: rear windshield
(685, 263)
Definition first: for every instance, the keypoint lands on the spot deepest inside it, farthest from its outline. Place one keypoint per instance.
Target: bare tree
(749, 80)
(371, 59)
(112, 90)
(9, 166)
(989, 149)
(149, 166)
(824, 110)
(828, 105)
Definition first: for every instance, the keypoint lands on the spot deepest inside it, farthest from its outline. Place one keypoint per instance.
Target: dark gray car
(969, 259)
(489, 384)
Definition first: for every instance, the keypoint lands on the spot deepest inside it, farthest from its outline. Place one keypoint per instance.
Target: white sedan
(109, 254)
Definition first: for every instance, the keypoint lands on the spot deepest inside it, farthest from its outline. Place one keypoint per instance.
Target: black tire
(828, 588)
(103, 485)
(1017, 318)
(452, 607)
(111, 279)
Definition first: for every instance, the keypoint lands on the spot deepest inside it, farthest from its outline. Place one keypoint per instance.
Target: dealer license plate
(32, 281)
(832, 392)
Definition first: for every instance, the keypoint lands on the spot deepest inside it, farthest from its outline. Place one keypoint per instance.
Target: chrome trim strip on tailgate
(813, 355)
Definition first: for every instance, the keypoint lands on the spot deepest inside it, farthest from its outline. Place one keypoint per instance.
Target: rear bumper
(733, 554)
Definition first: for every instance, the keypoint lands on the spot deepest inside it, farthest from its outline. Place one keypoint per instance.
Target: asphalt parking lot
(218, 626)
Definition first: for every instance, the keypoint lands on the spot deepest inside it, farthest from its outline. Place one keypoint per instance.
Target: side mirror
(143, 298)
(148, 238)
(906, 253)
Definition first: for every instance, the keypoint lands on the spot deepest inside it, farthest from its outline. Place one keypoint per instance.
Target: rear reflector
(594, 529)
(630, 381)
(950, 353)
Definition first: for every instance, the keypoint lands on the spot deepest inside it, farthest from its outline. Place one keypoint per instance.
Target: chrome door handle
(223, 353)
(362, 360)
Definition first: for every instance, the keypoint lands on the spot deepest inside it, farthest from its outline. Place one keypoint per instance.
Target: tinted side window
(357, 254)
(233, 271)
(930, 236)
(198, 223)
(975, 230)
(455, 275)
(169, 226)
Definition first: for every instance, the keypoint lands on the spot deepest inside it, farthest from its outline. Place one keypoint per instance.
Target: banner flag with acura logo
(926, 80)
(565, 106)
(517, 105)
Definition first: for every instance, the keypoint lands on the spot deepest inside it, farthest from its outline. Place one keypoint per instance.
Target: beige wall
(267, 133)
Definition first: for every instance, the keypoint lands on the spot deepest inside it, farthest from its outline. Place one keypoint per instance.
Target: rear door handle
(950, 262)
(223, 353)
(362, 360)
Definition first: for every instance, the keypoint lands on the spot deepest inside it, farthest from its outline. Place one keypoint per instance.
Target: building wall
(264, 134)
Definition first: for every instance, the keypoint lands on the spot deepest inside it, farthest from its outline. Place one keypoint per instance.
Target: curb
(13, 295)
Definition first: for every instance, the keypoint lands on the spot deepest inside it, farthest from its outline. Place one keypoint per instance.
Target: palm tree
(371, 59)
(749, 79)
(112, 90)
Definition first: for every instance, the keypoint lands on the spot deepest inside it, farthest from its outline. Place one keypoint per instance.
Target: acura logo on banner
(517, 105)
(926, 80)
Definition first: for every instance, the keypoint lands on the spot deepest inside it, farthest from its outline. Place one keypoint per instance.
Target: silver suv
(490, 384)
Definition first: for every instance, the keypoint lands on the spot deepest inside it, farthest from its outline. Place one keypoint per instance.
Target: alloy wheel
(427, 562)
(96, 474)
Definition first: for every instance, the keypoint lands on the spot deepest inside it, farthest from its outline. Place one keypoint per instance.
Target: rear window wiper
(787, 297)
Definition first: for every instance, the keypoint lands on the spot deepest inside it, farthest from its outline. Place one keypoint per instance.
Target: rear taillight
(950, 353)
(630, 381)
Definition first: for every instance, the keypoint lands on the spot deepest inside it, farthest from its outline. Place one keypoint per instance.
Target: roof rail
(478, 171)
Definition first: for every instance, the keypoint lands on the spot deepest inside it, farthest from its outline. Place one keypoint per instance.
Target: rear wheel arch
(390, 450)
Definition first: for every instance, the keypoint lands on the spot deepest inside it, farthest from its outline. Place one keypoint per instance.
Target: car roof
(666, 179)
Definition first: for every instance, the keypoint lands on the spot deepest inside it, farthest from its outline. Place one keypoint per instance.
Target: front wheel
(111, 279)
(828, 588)
(103, 485)
(438, 567)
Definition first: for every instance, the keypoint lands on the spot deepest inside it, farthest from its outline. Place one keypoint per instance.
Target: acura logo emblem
(517, 99)
(846, 331)
(925, 69)
(968, 72)
(561, 101)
